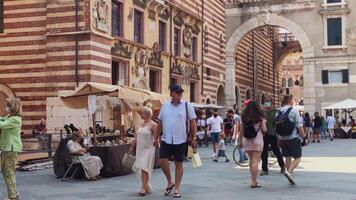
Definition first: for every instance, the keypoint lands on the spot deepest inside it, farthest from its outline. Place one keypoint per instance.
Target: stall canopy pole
(93, 121)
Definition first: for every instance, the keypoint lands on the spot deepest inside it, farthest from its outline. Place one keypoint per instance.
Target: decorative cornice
(140, 3)
(122, 49)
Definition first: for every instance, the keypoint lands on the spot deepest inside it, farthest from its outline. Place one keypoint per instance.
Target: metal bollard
(49, 145)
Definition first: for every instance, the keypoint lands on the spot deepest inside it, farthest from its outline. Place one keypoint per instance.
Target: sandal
(141, 194)
(177, 195)
(169, 190)
(256, 186)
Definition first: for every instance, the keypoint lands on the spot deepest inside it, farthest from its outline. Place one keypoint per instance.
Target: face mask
(215, 115)
(267, 104)
(7, 109)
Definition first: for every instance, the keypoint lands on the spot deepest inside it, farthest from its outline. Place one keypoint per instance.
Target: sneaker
(227, 160)
(290, 177)
(241, 161)
(215, 160)
(283, 170)
(331, 139)
(264, 173)
(313, 141)
(318, 141)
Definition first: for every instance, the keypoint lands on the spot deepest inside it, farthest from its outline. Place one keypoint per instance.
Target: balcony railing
(252, 3)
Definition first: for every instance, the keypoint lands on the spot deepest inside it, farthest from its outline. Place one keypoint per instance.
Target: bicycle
(272, 159)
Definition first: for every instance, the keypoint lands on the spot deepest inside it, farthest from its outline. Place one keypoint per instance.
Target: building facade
(255, 75)
(325, 30)
(292, 76)
(51, 45)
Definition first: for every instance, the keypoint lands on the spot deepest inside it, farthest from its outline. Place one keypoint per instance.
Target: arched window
(290, 82)
(248, 94)
(284, 83)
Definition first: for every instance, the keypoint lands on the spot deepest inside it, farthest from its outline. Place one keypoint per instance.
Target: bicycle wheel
(272, 159)
(236, 157)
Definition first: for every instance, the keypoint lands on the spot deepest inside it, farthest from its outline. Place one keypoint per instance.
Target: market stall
(117, 107)
(348, 106)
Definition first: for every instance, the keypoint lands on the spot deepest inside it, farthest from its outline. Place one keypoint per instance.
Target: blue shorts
(214, 137)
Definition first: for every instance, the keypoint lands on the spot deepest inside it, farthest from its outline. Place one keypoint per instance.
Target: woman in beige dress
(145, 150)
(91, 164)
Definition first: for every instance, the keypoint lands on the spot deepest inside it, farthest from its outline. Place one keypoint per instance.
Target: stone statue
(187, 41)
(140, 68)
(101, 15)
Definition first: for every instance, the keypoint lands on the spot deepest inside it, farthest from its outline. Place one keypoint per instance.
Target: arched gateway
(262, 19)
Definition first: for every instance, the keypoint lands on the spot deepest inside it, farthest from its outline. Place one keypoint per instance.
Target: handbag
(196, 161)
(128, 160)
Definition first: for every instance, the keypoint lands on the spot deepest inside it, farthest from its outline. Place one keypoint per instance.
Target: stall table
(112, 156)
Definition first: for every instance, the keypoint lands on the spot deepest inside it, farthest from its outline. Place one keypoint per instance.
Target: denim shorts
(215, 137)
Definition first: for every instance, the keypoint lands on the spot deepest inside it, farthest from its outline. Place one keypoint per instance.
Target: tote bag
(196, 161)
(128, 160)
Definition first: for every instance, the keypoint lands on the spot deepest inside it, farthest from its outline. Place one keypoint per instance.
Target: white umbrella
(345, 104)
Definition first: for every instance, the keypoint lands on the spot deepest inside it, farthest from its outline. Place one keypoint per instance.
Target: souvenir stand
(121, 104)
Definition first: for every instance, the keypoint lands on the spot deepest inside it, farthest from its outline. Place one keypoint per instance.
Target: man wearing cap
(175, 119)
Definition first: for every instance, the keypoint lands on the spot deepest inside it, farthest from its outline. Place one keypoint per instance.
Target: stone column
(309, 87)
(230, 79)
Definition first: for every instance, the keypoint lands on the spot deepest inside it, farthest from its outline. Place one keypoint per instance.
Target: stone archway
(274, 20)
(221, 97)
(5, 92)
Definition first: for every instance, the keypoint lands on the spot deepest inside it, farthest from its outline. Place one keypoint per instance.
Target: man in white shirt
(174, 120)
(215, 126)
(330, 121)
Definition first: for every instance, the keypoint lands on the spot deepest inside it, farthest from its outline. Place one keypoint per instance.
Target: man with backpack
(270, 139)
(289, 128)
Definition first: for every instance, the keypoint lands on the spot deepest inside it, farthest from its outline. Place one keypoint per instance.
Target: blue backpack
(284, 126)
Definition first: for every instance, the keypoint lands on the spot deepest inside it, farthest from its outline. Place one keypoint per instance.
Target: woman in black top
(308, 126)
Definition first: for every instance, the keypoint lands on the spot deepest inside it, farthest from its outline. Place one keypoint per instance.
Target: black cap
(176, 88)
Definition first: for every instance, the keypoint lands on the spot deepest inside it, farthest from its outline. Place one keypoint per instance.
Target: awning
(345, 104)
(197, 105)
(78, 99)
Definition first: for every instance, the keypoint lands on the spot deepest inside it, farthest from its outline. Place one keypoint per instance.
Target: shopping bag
(128, 160)
(190, 152)
(196, 161)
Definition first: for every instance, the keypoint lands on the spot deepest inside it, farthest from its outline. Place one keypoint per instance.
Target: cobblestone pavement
(327, 172)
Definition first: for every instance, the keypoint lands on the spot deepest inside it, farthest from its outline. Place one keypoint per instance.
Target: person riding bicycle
(270, 139)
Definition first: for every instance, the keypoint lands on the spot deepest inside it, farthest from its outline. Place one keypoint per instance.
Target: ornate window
(119, 73)
(117, 18)
(162, 36)
(138, 26)
(284, 82)
(290, 82)
(194, 49)
(177, 41)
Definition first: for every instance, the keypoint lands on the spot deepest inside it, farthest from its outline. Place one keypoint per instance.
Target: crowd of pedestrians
(259, 130)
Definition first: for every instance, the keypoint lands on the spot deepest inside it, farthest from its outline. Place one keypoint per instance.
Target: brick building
(51, 45)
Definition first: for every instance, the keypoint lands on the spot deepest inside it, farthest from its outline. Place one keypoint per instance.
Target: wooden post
(94, 129)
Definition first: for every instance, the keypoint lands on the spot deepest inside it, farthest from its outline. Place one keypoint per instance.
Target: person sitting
(91, 164)
(40, 130)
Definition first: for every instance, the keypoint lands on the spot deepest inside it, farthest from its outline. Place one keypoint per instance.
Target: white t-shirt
(215, 123)
(330, 121)
(222, 145)
(201, 122)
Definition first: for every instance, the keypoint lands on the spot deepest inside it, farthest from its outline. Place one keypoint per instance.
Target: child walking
(222, 148)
